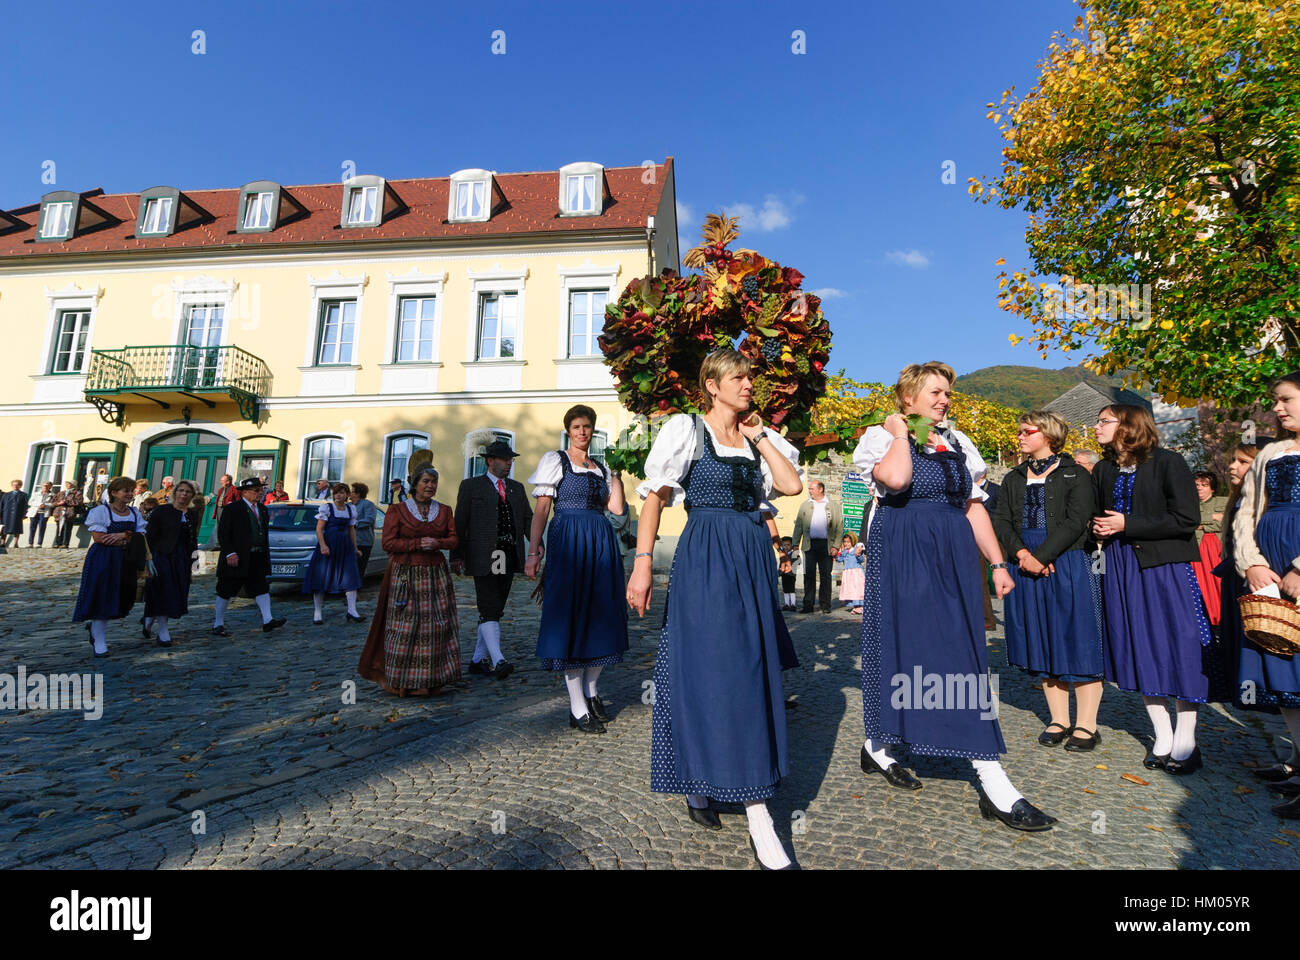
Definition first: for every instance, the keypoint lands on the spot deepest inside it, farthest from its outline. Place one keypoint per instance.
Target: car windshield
(301, 517)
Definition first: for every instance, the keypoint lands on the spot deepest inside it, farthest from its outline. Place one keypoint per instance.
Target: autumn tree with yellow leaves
(1158, 159)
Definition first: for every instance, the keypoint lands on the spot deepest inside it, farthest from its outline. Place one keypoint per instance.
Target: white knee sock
(317, 599)
(996, 784)
(766, 842)
(1185, 733)
(263, 601)
(164, 636)
(577, 705)
(219, 614)
(480, 648)
(589, 677)
(99, 633)
(149, 622)
(1164, 731)
(492, 639)
(351, 597)
(879, 752)
(698, 800)
(789, 599)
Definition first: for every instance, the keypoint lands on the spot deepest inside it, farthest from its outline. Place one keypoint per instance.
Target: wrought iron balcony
(176, 373)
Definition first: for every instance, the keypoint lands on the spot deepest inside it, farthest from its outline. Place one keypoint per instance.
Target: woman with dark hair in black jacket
(172, 535)
(1158, 638)
(1053, 616)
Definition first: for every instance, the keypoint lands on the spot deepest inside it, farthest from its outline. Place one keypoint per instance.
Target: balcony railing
(197, 373)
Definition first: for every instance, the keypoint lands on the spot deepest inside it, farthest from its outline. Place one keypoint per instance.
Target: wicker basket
(1271, 624)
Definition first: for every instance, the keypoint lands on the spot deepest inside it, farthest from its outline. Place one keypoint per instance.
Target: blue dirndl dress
(923, 619)
(107, 581)
(718, 728)
(1054, 623)
(1158, 638)
(584, 613)
(337, 573)
(1276, 679)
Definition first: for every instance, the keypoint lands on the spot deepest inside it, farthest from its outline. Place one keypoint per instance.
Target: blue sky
(833, 158)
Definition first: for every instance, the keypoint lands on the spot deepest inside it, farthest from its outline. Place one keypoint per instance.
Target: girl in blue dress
(1158, 637)
(718, 728)
(584, 618)
(113, 563)
(1266, 548)
(333, 564)
(925, 679)
(1053, 617)
(172, 535)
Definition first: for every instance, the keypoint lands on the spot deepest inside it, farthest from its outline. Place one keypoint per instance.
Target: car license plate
(284, 569)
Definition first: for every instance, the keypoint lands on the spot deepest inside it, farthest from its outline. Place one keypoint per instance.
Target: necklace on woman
(586, 461)
(1040, 467)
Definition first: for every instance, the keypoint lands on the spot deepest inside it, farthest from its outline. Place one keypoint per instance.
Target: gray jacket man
(817, 529)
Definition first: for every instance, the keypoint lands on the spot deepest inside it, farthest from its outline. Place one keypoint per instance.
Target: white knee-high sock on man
(480, 648)
(492, 639)
(263, 601)
(219, 612)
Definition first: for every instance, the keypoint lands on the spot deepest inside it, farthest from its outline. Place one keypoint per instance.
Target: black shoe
(1289, 810)
(895, 774)
(1183, 767)
(805, 609)
(1155, 761)
(355, 619)
(504, 669)
(588, 724)
(479, 667)
(791, 703)
(220, 631)
(704, 816)
(1049, 739)
(1023, 816)
(827, 609)
(317, 621)
(1081, 745)
(274, 624)
(789, 866)
(596, 707)
(163, 643)
(1288, 788)
(1277, 772)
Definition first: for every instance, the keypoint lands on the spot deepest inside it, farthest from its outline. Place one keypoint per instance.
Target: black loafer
(704, 816)
(1289, 810)
(162, 643)
(504, 669)
(1288, 788)
(1277, 772)
(479, 667)
(1184, 767)
(1049, 739)
(588, 724)
(220, 631)
(355, 619)
(895, 774)
(788, 866)
(1023, 816)
(1155, 761)
(274, 624)
(596, 707)
(317, 623)
(1081, 745)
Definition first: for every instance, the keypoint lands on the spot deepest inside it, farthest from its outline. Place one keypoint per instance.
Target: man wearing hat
(492, 516)
(396, 490)
(245, 556)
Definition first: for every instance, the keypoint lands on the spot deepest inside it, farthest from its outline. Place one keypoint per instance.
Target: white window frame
(335, 287)
(469, 178)
(157, 216)
(596, 326)
(73, 298)
(60, 214)
(34, 464)
(418, 322)
(321, 324)
(571, 171)
(261, 202)
(81, 347)
(496, 282)
(587, 277)
(508, 436)
(384, 495)
(413, 285)
(500, 297)
(578, 181)
(361, 193)
(307, 442)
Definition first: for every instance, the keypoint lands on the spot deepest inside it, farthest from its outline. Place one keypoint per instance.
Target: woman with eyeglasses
(1158, 638)
(1053, 616)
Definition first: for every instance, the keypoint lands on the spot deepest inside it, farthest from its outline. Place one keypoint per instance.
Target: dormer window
(582, 190)
(164, 210)
(474, 195)
(368, 201)
(157, 215)
(265, 205)
(55, 220)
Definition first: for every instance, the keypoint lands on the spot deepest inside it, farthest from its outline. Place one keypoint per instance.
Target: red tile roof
(531, 207)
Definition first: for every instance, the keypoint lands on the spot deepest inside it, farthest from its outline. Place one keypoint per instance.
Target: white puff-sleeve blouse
(550, 470)
(875, 443)
(674, 449)
(326, 509)
(101, 516)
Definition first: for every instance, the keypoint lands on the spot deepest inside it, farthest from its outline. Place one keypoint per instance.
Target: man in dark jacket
(13, 508)
(244, 557)
(492, 517)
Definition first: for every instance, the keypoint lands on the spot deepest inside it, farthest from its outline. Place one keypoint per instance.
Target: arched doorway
(197, 455)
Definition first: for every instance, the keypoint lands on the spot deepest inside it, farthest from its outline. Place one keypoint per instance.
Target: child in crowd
(853, 578)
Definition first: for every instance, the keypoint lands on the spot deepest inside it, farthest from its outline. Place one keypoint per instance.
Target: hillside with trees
(1027, 388)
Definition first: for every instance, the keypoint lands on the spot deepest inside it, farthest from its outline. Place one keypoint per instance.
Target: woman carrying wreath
(718, 727)
(414, 640)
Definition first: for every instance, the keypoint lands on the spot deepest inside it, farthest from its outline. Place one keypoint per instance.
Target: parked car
(293, 538)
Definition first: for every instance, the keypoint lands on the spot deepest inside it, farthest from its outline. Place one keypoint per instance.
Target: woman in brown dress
(414, 641)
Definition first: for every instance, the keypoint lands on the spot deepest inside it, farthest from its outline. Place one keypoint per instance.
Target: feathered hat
(477, 442)
(420, 461)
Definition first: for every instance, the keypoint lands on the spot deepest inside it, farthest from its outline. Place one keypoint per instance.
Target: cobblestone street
(242, 752)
